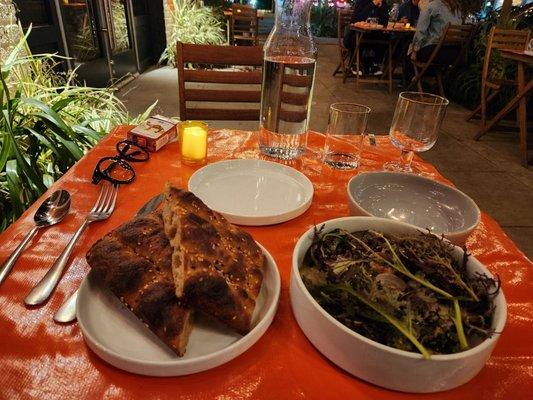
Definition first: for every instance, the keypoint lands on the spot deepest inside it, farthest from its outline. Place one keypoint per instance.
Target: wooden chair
(244, 25)
(498, 39)
(343, 20)
(295, 86)
(454, 37)
(251, 56)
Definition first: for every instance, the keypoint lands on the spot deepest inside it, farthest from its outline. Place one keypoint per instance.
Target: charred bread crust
(134, 262)
(220, 266)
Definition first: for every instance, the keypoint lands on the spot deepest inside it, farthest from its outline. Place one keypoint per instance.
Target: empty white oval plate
(253, 192)
(117, 336)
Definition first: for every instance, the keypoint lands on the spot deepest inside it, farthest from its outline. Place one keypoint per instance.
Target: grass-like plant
(191, 23)
(47, 123)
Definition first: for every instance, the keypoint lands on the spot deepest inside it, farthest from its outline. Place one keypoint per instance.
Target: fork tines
(105, 204)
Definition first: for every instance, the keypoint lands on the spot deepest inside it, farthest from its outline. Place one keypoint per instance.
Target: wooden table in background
(395, 32)
(522, 58)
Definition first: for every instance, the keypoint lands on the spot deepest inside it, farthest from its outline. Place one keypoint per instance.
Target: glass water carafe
(288, 78)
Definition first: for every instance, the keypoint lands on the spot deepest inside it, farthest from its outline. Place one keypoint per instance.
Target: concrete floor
(489, 170)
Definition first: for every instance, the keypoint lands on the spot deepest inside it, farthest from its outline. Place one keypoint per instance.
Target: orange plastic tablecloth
(40, 359)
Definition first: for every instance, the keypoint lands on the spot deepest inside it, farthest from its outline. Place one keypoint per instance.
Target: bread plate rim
(179, 366)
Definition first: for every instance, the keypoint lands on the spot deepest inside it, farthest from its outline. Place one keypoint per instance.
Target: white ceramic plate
(253, 192)
(118, 337)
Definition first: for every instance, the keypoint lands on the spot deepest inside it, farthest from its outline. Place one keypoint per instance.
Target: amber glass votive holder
(193, 140)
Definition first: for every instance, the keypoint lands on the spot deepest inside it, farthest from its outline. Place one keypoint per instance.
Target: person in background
(422, 4)
(362, 10)
(430, 27)
(409, 12)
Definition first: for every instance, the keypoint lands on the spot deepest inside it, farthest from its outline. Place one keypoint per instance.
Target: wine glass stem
(407, 157)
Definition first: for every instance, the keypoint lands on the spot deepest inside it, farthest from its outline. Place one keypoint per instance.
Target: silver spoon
(51, 211)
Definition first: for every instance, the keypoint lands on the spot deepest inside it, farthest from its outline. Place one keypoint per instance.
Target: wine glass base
(396, 166)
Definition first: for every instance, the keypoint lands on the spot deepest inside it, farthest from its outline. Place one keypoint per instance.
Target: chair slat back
(508, 39)
(456, 36)
(227, 56)
(343, 20)
(503, 39)
(248, 77)
(243, 11)
(244, 24)
(296, 86)
(459, 35)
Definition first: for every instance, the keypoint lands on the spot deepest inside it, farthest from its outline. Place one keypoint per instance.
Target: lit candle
(407, 25)
(193, 136)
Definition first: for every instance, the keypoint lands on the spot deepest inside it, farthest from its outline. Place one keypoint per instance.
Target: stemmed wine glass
(415, 126)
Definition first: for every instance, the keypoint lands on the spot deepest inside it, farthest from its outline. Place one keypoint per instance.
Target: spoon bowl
(53, 209)
(50, 212)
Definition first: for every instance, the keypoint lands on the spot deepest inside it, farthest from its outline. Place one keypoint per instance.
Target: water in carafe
(286, 105)
(288, 80)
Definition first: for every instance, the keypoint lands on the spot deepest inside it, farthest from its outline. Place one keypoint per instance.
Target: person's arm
(422, 29)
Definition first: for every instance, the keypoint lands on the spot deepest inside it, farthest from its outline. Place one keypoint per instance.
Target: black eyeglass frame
(121, 159)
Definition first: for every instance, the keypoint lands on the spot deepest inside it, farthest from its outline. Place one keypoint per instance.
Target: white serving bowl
(415, 200)
(374, 362)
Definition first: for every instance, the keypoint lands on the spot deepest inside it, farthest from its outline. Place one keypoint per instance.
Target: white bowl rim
(463, 231)
(436, 357)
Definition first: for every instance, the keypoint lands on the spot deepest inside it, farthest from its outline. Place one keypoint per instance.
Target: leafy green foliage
(324, 21)
(47, 123)
(191, 23)
(471, 6)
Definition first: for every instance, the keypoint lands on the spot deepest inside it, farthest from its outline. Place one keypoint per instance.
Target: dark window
(35, 12)
(140, 7)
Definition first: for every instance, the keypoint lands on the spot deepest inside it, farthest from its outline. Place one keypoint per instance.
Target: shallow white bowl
(415, 200)
(117, 336)
(374, 362)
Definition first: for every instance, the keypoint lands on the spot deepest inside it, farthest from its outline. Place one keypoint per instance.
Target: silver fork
(102, 209)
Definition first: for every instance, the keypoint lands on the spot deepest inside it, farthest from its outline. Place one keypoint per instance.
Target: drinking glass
(415, 126)
(530, 46)
(345, 134)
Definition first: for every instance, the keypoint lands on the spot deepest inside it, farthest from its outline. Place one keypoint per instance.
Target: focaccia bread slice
(217, 267)
(134, 261)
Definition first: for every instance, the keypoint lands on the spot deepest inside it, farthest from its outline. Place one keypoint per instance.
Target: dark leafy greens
(407, 292)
